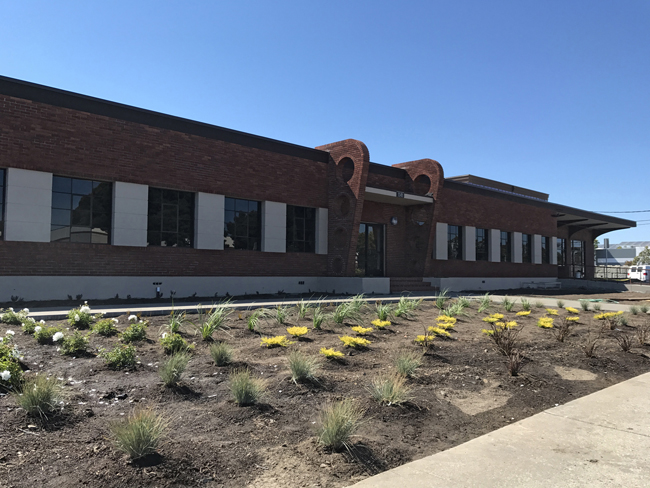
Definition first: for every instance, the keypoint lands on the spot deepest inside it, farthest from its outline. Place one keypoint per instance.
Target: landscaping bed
(462, 390)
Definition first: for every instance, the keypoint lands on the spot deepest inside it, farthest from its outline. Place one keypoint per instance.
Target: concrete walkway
(602, 439)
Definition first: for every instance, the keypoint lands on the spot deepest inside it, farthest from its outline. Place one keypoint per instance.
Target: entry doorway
(370, 250)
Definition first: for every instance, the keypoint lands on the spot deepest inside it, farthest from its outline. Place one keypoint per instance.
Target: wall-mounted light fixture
(393, 220)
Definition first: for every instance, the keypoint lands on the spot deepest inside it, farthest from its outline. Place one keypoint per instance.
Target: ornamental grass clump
(390, 389)
(105, 327)
(585, 305)
(545, 322)
(525, 305)
(319, 318)
(140, 433)
(176, 321)
(597, 307)
(303, 367)
(40, 396)
(254, 318)
(346, 312)
(508, 304)
(560, 303)
(75, 344)
(11, 317)
(442, 298)
(44, 334)
(282, 314)
(302, 307)
(245, 389)
(406, 307)
(172, 370)
(82, 317)
(297, 332)
(485, 303)
(221, 353)
(276, 341)
(214, 321)
(380, 324)
(354, 342)
(122, 356)
(362, 330)
(454, 310)
(408, 362)
(644, 308)
(384, 311)
(539, 304)
(338, 422)
(634, 310)
(174, 343)
(135, 332)
(331, 353)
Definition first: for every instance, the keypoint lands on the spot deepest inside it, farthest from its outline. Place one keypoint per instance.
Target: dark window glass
(454, 242)
(242, 225)
(578, 259)
(301, 229)
(482, 244)
(526, 248)
(2, 203)
(81, 210)
(506, 247)
(170, 219)
(561, 252)
(546, 250)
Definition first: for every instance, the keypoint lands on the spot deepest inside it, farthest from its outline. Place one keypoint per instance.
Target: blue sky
(551, 95)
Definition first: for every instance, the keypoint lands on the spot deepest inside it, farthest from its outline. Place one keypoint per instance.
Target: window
(526, 249)
(81, 210)
(2, 203)
(243, 225)
(561, 252)
(482, 244)
(578, 259)
(170, 219)
(506, 247)
(546, 250)
(454, 242)
(301, 229)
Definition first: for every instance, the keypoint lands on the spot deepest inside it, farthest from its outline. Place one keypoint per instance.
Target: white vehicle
(640, 273)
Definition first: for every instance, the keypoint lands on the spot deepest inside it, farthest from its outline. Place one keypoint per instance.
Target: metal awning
(589, 220)
(395, 197)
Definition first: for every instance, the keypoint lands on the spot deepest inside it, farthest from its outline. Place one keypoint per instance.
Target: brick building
(101, 199)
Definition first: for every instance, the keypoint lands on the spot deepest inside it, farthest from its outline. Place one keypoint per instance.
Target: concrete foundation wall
(104, 287)
(484, 284)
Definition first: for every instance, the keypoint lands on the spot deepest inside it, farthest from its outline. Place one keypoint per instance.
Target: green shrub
(338, 422)
(560, 304)
(407, 306)
(464, 302)
(508, 304)
(644, 308)
(171, 370)
(485, 303)
(82, 318)
(75, 344)
(174, 343)
(525, 304)
(245, 389)
(282, 314)
(442, 298)
(40, 396)
(29, 325)
(346, 312)
(303, 367)
(255, 317)
(11, 373)
(319, 318)
(585, 305)
(140, 433)
(176, 321)
(634, 310)
(135, 332)
(303, 307)
(221, 353)
(597, 307)
(539, 304)
(105, 327)
(407, 362)
(45, 334)
(121, 357)
(11, 317)
(389, 389)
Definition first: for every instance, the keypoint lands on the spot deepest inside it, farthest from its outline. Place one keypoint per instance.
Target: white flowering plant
(135, 332)
(75, 344)
(82, 317)
(45, 334)
(11, 317)
(105, 327)
(11, 373)
(29, 325)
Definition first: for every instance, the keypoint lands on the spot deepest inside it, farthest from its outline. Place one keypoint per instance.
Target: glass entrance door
(370, 250)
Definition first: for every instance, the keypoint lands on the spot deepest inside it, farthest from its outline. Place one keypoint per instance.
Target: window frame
(95, 211)
(3, 201)
(161, 219)
(253, 243)
(486, 240)
(455, 233)
(505, 248)
(526, 248)
(304, 225)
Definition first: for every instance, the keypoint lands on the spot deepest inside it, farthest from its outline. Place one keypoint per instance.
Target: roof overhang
(395, 197)
(568, 216)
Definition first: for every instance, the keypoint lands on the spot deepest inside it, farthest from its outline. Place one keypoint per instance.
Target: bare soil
(462, 391)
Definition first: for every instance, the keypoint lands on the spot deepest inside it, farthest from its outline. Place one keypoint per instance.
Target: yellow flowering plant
(355, 342)
(361, 330)
(297, 331)
(331, 353)
(277, 341)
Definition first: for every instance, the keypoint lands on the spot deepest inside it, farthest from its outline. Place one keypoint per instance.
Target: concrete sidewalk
(602, 439)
